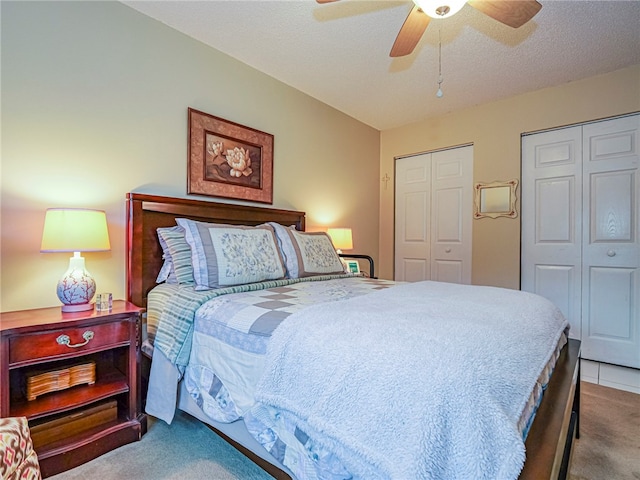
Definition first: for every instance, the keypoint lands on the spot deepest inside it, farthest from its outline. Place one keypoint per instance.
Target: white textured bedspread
(420, 381)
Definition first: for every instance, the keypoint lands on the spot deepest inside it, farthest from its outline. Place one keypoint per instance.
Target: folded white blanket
(423, 380)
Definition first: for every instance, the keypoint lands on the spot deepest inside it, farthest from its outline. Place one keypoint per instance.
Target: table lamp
(341, 238)
(75, 230)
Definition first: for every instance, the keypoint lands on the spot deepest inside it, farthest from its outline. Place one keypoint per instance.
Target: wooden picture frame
(496, 199)
(226, 159)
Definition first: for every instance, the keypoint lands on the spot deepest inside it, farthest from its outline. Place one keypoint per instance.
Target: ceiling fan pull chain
(439, 93)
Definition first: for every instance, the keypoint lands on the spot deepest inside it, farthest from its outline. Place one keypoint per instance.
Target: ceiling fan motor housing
(440, 8)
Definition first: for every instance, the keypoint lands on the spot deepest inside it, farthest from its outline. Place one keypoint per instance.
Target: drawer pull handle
(65, 340)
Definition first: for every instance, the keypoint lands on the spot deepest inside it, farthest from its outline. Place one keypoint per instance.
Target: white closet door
(433, 216)
(611, 248)
(551, 227)
(412, 216)
(451, 219)
(581, 229)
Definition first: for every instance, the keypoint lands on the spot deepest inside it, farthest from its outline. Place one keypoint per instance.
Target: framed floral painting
(229, 160)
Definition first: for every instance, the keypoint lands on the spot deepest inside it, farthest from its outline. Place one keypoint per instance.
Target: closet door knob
(611, 253)
(448, 249)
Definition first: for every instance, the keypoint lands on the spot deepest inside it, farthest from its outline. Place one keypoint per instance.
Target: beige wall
(495, 130)
(94, 105)
(94, 102)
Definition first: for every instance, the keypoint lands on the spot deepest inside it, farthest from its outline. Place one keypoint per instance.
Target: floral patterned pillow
(225, 255)
(315, 254)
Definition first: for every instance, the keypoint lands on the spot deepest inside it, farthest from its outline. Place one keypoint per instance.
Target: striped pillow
(178, 252)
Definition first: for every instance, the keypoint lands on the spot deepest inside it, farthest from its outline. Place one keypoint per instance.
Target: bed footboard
(550, 440)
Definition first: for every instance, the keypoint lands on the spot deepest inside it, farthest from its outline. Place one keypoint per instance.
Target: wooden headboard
(145, 213)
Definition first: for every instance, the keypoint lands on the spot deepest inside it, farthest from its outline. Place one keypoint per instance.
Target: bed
(548, 439)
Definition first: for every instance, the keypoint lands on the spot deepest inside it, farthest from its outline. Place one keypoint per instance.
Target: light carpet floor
(609, 443)
(184, 450)
(608, 448)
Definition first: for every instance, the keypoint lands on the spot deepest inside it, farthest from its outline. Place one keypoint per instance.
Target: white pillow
(287, 249)
(224, 255)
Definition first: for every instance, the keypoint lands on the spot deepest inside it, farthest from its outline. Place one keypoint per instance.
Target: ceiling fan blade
(410, 33)
(512, 13)
(326, 1)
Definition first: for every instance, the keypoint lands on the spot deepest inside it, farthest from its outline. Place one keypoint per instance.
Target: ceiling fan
(513, 13)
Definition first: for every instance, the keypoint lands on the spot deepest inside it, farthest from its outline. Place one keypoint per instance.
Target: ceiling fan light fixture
(440, 8)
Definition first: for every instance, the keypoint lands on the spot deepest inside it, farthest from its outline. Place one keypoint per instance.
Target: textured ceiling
(339, 52)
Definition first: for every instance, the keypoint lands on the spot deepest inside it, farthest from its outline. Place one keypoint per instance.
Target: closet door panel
(554, 210)
(451, 219)
(551, 230)
(448, 271)
(413, 207)
(611, 329)
(612, 140)
(612, 207)
(611, 249)
(558, 284)
(414, 269)
(446, 234)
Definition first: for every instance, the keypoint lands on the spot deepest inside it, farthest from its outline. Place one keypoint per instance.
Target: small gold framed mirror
(497, 199)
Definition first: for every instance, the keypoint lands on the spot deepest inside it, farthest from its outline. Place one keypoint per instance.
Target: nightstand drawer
(67, 342)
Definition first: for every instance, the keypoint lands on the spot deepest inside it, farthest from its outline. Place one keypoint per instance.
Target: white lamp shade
(341, 238)
(75, 230)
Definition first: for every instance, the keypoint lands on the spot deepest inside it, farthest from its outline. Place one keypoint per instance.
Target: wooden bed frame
(550, 439)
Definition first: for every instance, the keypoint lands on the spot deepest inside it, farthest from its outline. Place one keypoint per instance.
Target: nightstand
(76, 377)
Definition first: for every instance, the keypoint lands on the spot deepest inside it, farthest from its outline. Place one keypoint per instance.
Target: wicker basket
(60, 379)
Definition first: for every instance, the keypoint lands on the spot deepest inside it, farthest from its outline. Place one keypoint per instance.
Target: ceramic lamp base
(81, 307)
(76, 288)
